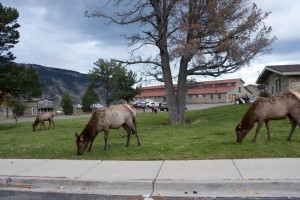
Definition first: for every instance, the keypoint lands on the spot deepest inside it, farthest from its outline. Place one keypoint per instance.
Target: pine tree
(88, 99)
(8, 31)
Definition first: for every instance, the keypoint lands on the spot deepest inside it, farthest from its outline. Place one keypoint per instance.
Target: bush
(19, 108)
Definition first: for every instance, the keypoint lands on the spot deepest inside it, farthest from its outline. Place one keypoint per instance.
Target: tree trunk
(6, 110)
(181, 90)
(169, 87)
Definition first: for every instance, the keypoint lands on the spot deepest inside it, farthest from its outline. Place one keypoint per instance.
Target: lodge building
(38, 106)
(218, 91)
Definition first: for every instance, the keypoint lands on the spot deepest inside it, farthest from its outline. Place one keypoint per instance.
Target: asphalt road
(31, 119)
(24, 195)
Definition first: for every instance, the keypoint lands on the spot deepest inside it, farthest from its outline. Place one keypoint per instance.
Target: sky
(55, 33)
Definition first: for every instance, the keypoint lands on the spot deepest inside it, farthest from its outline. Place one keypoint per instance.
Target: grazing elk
(103, 119)
(41, 118)
(270, 108)
(154, 109)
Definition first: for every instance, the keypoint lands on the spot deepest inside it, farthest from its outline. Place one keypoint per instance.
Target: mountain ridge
(56, 81)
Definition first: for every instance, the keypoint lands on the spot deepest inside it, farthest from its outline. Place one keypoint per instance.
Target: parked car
(96, 105)
(148, 103)
(143, 104)
(164, 106)
(156, 104)
(136, 104)
(78, 106)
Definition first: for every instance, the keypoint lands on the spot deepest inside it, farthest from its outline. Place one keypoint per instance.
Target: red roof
(207, 87)
(158, 92)
(152, 94)
(223, 81)
(210, 90)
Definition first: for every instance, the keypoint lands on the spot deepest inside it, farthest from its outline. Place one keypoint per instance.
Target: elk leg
(132, 127)
(123, 134)
(134, 123)
(259, 124)
(91, 144)
(53, 124)
(137, 137)
(43, 125)
(294, 124)
(49, 124)
(106, 132)
(268, 130)
(128, 131)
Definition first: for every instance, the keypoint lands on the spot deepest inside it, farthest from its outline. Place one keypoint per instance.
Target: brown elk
(103, 119)
(154, 109)
(41, 118)
(270, 108)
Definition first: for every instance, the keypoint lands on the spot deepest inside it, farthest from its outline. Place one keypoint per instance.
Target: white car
(156, 104)
(148, 103)
(97, 105)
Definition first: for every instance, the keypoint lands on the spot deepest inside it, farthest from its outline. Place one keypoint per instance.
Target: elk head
(81, 144)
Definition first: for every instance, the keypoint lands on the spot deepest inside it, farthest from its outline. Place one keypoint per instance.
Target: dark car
(137, 104)
(164, 106)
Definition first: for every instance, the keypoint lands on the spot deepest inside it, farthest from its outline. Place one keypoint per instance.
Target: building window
(211, 96)
(219, 96)
(240, 89)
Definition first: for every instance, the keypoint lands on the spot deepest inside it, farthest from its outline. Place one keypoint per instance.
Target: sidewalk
(192, 178)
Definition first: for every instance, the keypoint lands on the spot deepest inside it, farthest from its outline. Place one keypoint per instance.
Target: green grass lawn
(208, 134)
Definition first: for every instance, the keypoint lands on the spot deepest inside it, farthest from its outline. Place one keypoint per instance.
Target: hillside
(56, 81)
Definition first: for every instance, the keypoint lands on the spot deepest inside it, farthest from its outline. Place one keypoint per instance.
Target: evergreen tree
(18, 82)
(67, 104)
(88, 98)
(117, 81)
(8, 31)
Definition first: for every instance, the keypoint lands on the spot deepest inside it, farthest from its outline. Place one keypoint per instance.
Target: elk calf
(41, 118)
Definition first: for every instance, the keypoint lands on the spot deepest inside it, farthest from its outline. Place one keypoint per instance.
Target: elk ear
(240, 126)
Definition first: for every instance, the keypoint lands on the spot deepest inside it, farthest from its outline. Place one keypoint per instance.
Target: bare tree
(205, 38)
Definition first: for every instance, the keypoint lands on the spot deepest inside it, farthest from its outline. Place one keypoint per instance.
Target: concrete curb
(174, 178)
(228, 188)
(212, 189)
(137, 187)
